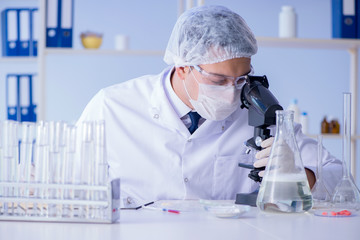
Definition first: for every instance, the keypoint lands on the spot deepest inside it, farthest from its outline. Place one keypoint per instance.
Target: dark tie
(194, 116)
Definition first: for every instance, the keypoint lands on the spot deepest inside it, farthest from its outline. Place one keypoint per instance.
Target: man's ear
(182, 72)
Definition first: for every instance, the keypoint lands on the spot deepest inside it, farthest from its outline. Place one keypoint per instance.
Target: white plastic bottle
(294, 107)
(304, 122)
(287, 22)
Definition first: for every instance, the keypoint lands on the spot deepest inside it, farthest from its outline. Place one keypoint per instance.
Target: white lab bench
(147, 224)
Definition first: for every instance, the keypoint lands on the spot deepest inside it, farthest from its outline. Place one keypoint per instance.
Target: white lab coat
(152, 152)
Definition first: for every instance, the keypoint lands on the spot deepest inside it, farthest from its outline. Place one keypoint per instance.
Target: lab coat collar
(162, 110)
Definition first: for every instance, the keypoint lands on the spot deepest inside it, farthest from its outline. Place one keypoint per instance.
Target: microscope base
(247, 198)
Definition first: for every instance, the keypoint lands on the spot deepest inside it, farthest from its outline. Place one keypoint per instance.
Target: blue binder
(66, 23)
(52, 30)
(9, 32)
(19, 97)
(34, 31)
(26, 106)
(12, 97)
(24, 31)
(344, 18)
(59, 23)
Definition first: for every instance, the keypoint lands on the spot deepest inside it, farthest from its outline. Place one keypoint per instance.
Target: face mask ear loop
(185, 85)
(194, 76)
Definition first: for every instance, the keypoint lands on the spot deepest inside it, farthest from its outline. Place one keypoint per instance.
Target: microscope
(261, 105)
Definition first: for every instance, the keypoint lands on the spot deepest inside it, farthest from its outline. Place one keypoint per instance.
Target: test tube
(27, 138)
(56, 152)
(69, 168)
(41, 163)
(3, 173)
(101, 166)
(87, 161)
(26, 152)
(10, 161)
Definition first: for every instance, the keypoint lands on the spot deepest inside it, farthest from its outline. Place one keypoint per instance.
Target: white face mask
(215, 102)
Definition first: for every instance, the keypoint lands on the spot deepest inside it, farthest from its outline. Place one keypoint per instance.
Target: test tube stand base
(60, 202)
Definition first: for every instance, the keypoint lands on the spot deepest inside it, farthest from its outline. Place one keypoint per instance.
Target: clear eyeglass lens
(220, 80)
(239, 82)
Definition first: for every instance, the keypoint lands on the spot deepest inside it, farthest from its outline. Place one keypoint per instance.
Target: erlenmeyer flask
(320, 194)
(284, 187)
(346, 194)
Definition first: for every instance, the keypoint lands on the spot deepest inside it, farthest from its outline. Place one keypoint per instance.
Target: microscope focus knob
(258, 141)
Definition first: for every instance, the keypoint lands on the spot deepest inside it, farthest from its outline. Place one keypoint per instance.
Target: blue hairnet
(209, 34)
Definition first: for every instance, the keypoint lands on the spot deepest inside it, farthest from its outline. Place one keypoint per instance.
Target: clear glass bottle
(284, 187)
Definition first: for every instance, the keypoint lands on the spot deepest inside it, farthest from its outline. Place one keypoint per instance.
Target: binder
(24, 32)
(344, 19)
(52, 35)
(34, 31)
(12, 97)
(9, 32)
(27, 108)
(19, 97)
(59, 23)
(66, 25)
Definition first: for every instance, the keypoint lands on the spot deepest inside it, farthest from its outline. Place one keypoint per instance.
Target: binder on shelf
(34, 31)
(9, 32)
(12, 97)
(344, 18)
(27, 108)
(59, 23)
(52, 34)
(24, 32)
(66, 31)
(19, 97)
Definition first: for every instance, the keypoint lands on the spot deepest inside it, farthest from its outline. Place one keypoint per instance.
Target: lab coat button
(186, 179)
(189, 140)
(156, 116)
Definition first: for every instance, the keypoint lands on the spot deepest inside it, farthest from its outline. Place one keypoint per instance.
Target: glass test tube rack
(93, 204)
(39, 180)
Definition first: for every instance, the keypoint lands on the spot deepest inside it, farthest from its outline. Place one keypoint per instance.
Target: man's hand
(263, 156)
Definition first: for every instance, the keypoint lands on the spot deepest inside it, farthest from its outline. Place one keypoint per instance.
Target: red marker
(171, 211)
(162, 209)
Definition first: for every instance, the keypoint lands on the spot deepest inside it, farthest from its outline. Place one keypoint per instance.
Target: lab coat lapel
(162, 110)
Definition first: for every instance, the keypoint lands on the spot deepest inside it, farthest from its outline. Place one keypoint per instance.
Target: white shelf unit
(350, 45)
(106, 52)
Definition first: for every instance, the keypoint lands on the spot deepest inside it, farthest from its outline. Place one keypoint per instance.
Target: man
(158, 146)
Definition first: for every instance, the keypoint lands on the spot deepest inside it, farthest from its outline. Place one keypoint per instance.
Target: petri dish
(335, 212)
(223, 209)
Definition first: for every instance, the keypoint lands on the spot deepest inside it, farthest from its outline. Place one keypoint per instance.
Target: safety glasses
(221, 80)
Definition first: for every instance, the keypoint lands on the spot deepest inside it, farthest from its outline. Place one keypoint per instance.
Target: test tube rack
(20, 201)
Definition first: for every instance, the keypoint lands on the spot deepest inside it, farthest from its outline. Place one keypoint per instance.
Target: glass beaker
(284, 187)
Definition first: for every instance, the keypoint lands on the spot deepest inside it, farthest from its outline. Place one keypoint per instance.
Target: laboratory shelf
(18, 59)
(100, 52)
(332, 136)
(341, 44)
(262, 42)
